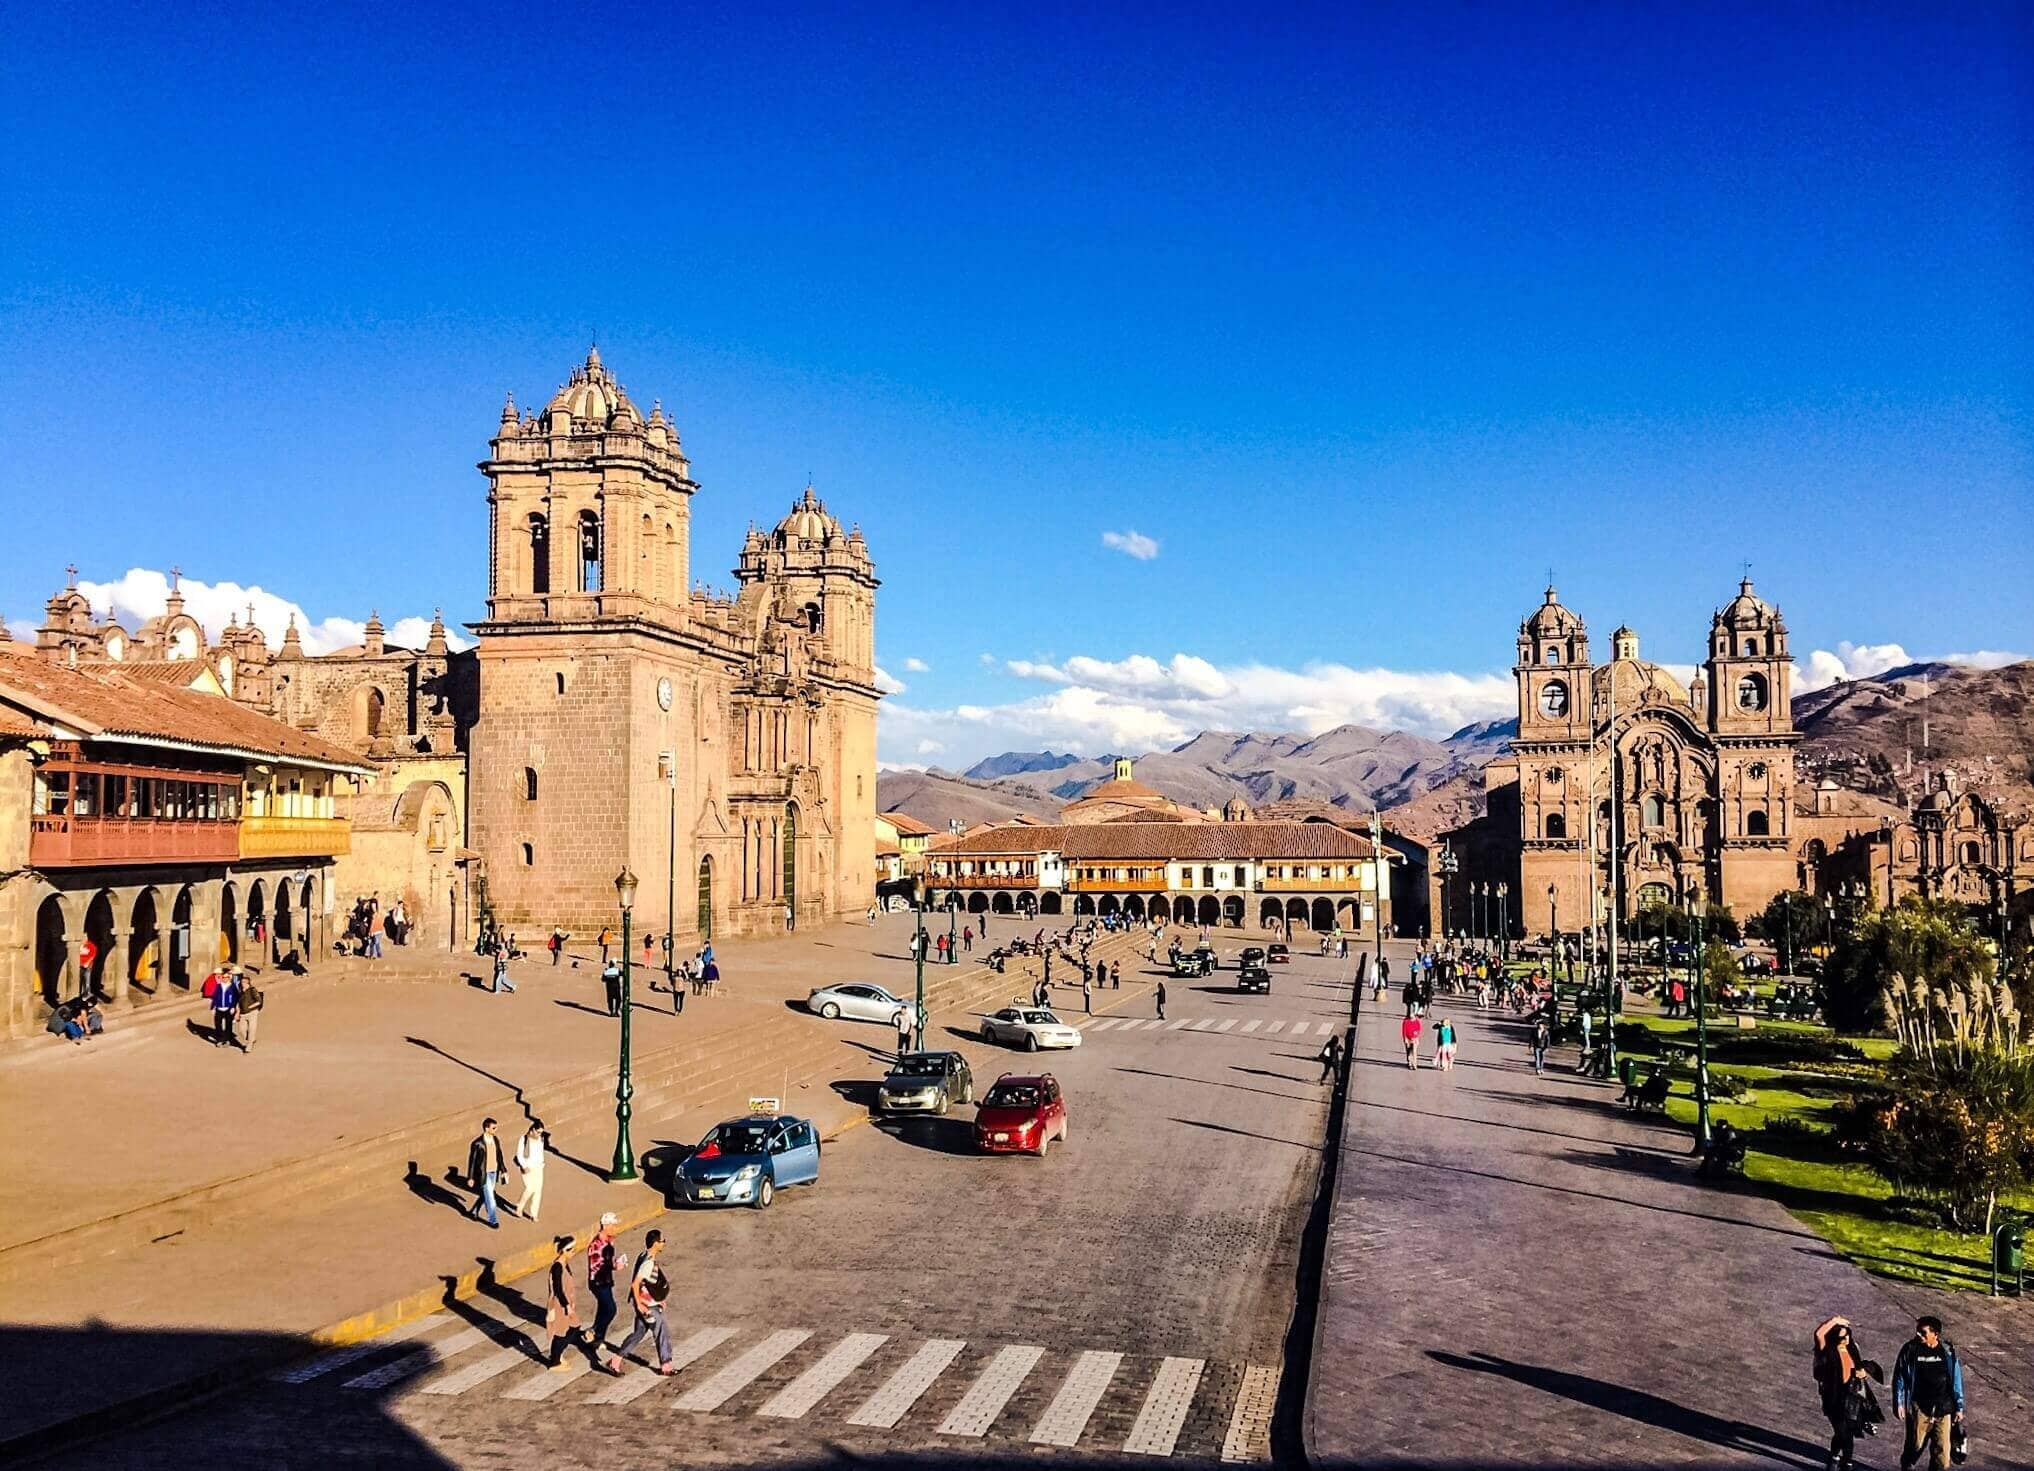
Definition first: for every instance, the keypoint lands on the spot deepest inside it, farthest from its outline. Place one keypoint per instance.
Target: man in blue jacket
(1928, 1394)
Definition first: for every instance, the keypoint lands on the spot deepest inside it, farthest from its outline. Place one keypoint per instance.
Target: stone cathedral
(723, 749)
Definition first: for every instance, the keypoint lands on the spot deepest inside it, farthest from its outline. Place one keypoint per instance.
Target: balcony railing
(60, 840)
(295, 837)
(983, 881)
(1312, 886)
(1153, 885)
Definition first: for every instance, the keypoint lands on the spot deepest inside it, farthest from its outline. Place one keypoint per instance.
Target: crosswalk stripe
(339, 1358)
(638, 1381)
(1175, 1026)
(417, 1360)
(1251, 1026)
(1250, 1422)
(991, 1390)
(480, 1371)
(1274, 1027)
(737, 1374)
(900, 1391)
(1323, 1028)
(1224, 1026)
(1157, 1427)
(808, 1389)
(1067, 1415)
(1158, 1024)
(1299, 1029)
(547, 1382)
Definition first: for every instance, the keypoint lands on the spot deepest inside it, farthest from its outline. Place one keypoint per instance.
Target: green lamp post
(918, 1008)
(624, 1166)
(1699, 978)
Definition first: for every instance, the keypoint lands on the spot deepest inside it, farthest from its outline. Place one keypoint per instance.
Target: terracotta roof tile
(906, 824)
(102, 702)
(1155, 840)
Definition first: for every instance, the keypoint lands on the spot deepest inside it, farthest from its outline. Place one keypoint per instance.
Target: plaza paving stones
(1517, 1273)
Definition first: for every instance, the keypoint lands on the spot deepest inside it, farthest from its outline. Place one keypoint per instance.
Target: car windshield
(919, 1065)
(1041, 1018)
(746, 1136)
(1012, 1095)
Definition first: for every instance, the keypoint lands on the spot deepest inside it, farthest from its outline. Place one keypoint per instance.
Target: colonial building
(149, 831)
(630, 719)
(1123, 798)
(1957, 845)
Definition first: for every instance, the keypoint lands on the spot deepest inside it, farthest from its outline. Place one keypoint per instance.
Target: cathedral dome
(1746, 607)
(592, 394)
(807, 522)
(1551, 620)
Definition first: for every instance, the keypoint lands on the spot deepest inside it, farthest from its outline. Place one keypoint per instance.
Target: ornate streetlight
(1448, 864)
(918, 961)
(1503, 924)
(1698, 977)
(624, 1167)
(1554, 923)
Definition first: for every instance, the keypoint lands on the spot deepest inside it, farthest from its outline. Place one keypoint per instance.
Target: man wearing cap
(601, 1261)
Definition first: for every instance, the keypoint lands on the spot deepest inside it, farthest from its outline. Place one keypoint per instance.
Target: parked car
(746, 1161)
(1029, 1027)
(1021, 1116)
(926, 1082)
(1254, 978)
(857, 1001)
(1189, 963)
(1754, 964)
(1277, 954)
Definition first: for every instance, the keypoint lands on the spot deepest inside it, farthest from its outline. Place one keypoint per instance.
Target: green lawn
(1846, 1204)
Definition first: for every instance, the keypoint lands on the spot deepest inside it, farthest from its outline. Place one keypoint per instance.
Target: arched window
(1554, 698)
(1751, 692)
(1552, 656)
(1971, 854)
(560, 677)
(529, 856)
(1756, 823)
(529, 783)
(1751, 647)
(815, 616)
(1557, 825)
(540, 553)
(589, 552)
(1652, 811)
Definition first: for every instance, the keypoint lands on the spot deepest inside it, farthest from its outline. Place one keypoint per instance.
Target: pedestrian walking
(1543, 1035)
(1115, 975)
(602, 1259)
(1409, 1031)
(1843, 1380)
(647, 1290)
(501, 976)
(1087, 998)
(557, 944)
(968, 940)
(484, 1171)
(1444, 1045)
(1928, 1395)
(1330, 1057)
(903, 1022)
(1159, 997)
(247, 1004)
(530, 1160)
(649, 948)
(606, 939)
(223, 991)
(561, 1314)
(1583, 1019)
(610, 980)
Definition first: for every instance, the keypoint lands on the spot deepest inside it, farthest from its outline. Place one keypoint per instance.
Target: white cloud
(142, 593)
(23, 629)
(1863, 661)
(988, 660)
(1131, 544)
(888, 683)
(930, 748)
(917, 666)
(1140, 703)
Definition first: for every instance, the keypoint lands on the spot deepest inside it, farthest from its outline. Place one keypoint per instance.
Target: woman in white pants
(530, 1160)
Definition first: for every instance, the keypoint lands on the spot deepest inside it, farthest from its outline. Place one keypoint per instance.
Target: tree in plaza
(1922, 973)
(1671, 920)
(1961, 1131)
(1790, 920)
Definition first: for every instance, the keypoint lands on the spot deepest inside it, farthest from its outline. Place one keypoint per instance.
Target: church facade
(721, 749)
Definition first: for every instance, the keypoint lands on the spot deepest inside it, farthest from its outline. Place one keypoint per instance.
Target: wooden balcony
(1312, 886)
(295, 837)
(1152, 885)
(64, 841)
(984, 881)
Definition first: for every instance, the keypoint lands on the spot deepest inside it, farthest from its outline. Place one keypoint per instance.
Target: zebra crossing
(1262, 1028)
(1101, 1398)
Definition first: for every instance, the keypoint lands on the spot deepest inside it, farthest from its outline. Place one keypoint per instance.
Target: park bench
(1651, 1094)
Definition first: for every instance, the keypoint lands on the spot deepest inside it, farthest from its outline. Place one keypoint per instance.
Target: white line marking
(1323, 1028)
(991, 1390)
(1224, 1026)
(808, 1389)
(1067, 1415)
(1175, 1026)
(1252, 1026)
(417, 1360)
(1299, 1029)
(1274, 1027)
(339, 1358)
(480, 1371)
(638, 1381)
(547, 1382)
(737, 1374)
(1153, 1026)
(1165, 1408)
(1249, 1436)
(900, 1391)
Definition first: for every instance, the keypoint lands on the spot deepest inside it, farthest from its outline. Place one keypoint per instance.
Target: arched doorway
(703, 916)
(1183, 911)
(1107, 905)
(1209, 912)
(1232, 912)
(257, 920)
(1133, 908)
(1323, 918)
(227, 948)
(99, 930)
(1268, 914)
(1049, 903)
(180, 940)
(1083, 904)
(1295, 911)
(1348, 916)
(285, 927)
(52, 951)
(1002, 905)
(791, 857)
(144, 945)
(1027, 904)
(978, 902)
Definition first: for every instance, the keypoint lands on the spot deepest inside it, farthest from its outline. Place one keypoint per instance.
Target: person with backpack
(247, 1004)
(224, 995)
(557, 945)
(647, 1291)
(1928, 1395)
(1330, 1058)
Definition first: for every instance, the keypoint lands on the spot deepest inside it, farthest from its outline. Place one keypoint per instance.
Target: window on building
(529, 856)
(1970, 853)
(529, 783)
(540, 554)
(1557, 825)
(1751, 647)
(1756, 823)
(1208, 877)
(1552, 656)
(560, 678)
(1751, 692)
(1554, 698)
(589, 552)
(1652, 811)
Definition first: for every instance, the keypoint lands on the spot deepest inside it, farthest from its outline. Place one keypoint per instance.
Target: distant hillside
(1017, 763)
(938, 797)
(1869, 733)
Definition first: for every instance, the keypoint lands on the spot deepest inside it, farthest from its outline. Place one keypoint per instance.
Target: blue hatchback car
(747, 1161)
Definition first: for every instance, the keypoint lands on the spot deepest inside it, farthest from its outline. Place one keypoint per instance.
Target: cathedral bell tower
(1553, 674)
(1748, 669)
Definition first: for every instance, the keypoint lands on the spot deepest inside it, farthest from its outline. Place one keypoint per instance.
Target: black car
(925, 1082)
(1278, 955)
(1251, 955)
(1254, 978)
(1192, 963)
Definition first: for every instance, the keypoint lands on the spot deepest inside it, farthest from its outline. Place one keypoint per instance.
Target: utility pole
(1378, 871)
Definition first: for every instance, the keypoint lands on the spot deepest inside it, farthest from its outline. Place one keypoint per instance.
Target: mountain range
(1867, 733)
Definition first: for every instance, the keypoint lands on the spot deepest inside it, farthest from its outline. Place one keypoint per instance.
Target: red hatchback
(1020, 1115)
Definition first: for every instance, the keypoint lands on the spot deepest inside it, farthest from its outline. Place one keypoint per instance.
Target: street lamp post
(1699, 978)
(918, 1007)
(1503, 924)
(1554, 921)
(670, 764)
(624, 1167)
(1448, 865)
(952, 925)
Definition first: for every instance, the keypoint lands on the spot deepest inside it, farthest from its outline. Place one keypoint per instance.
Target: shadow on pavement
(1249, 1134)
(937, 1135)
(1144, 1072)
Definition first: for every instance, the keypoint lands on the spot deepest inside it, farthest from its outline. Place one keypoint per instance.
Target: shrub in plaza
(1718, 923)
(1772, 1048)
(1922, 973)
(1954, 1128)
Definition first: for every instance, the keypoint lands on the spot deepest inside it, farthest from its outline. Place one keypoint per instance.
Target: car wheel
(765, 1193)
(830, 1011)
(944, 1104)
(1044, 1143)
(1030, 1041)
(988, 1032)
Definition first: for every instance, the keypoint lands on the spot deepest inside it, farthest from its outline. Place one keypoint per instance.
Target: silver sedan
(1029, 1027)
(857, 1001)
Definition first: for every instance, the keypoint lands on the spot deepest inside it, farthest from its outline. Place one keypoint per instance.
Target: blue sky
(1365, 316)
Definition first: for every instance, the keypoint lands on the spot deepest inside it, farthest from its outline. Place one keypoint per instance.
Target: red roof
(1197, 841)
(907, 825)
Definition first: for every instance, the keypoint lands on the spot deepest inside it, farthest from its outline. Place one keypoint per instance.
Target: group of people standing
(1927, 1394)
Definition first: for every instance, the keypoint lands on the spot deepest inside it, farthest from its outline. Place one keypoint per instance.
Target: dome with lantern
(809, 524)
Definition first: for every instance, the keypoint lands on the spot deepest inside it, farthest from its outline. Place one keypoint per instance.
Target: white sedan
(857, 1001)
(1029, 1027)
